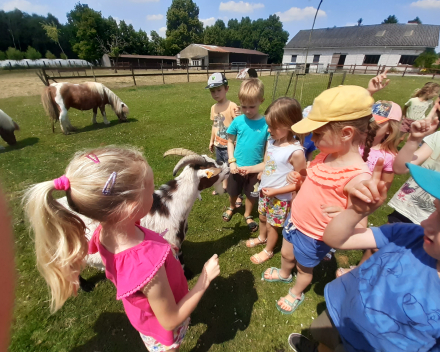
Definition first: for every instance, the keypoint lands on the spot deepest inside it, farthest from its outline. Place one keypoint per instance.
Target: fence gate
(304, 87)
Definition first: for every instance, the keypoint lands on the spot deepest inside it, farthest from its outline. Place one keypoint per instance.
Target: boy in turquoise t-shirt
(250, 132)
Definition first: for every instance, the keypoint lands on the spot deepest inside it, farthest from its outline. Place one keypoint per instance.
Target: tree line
(88, 35)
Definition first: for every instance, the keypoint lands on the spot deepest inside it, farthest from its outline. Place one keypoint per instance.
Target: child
(387, 116)
(222, 114)
(411, 203)
(338, 119)
(415, 108)
(284, 153)
(250, 132)
(391, 302)
(115, 187)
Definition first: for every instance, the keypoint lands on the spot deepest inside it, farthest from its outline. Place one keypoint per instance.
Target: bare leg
(288, 262)
(249, 205)
(231, 205)
(272, 237)
(95, 111)
(104, 116)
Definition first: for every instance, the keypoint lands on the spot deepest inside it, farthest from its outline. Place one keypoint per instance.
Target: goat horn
(189, 159)
(179, 151)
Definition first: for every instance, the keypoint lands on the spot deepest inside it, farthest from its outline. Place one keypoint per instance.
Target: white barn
(382, 44)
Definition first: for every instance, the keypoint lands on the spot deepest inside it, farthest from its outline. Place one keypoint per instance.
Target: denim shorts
(221, 155)
(308, 251)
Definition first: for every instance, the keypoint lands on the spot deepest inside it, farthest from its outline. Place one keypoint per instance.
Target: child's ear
(347, 133)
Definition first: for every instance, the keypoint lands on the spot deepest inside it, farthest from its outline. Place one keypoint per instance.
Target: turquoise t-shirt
(251, 139)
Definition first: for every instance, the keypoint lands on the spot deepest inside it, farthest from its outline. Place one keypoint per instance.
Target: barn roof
(148, 57)
(227, 49)
(397, 35)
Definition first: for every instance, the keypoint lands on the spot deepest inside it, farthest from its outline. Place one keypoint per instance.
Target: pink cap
(386, 110)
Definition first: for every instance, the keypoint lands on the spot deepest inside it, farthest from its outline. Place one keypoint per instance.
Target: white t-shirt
(411, 200)
(277, 166)
(416, 109)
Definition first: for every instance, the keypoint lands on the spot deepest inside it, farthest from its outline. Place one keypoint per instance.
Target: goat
(172, 203)
(7, 128)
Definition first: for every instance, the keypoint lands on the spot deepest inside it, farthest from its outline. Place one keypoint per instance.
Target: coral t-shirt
(132, 269)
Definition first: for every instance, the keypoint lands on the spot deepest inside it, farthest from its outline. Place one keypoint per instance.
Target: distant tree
(426, 59)
(157, 44)
(50, 56)
(32, 54)
(53, 33)
(416, 20)
(359, 22)
(2, 55)
(216, 34)
(14, 54)
(113, 47)
(390, 19)
(272, 39)
(183, 26)
(63, 56)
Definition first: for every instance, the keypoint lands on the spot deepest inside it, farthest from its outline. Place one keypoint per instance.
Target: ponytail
(60, 242)
(371, 134)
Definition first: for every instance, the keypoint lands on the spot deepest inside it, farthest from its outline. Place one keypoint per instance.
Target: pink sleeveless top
(323, 185)
(132, 269)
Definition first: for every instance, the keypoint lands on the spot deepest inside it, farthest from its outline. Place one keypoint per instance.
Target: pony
(58, 98)
(7, 128)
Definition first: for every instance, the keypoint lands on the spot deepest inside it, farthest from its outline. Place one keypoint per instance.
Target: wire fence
(304, 87)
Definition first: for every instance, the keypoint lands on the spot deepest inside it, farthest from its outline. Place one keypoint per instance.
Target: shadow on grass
(27, 142)
(100, 125)
(225, 308)
(113, 333)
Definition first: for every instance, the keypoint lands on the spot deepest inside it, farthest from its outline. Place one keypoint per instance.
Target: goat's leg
(85, 285)
(95, 111)
(104, 116)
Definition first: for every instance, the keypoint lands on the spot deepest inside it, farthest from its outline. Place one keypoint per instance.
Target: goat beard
(219, 187)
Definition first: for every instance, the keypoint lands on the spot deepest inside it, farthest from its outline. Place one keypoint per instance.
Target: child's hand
(369, 195)
(331, 211)
(294, 178)
(237, 111)
(259, 175)
(233, 169)
(244, 170)
(269, 192)
(422, 128)
(211, 147)
(211, 270)
(379, 82)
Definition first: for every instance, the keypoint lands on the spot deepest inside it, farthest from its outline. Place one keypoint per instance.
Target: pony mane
(6, 121)
(114, 101)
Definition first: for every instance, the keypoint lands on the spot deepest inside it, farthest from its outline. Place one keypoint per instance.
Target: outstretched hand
(378, 83)
(369, 195)
(422, 128)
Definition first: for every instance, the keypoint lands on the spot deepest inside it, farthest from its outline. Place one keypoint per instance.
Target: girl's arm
(169, 313)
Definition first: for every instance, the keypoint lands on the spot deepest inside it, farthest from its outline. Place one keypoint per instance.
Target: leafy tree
(2, 55)
(272, 39)
(50, 56)
(416, 20)
(426, 59)
(53, 32)
(157, 44)
(63, 56)
(183, 26)
(390, 19)
(32, 54)
(135, 42)
(216, 34)
(359, 22)
(14, 54)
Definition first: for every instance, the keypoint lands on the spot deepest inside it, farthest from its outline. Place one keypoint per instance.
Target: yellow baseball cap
(341, 103)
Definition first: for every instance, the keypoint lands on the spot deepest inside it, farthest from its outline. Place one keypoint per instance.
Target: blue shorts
(221, 155)
(308, 251)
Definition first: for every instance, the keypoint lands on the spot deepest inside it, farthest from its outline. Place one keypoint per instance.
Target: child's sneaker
(300, 343)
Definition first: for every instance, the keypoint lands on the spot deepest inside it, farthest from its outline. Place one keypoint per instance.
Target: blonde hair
(251, 90)
(60, 241)
(426, 90)
(391, 141)
(284, 112)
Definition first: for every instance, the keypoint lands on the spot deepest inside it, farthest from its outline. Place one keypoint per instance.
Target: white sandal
(257, 257)
(252, 243)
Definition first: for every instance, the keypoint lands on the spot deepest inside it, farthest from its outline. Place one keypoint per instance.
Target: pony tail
(60, 242)
(49, 104)
(371, 134)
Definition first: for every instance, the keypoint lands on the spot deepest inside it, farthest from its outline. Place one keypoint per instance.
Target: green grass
(238, 311)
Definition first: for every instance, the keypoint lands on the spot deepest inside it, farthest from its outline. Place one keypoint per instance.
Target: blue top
(251, 139)
(309, 146)
(391, 302)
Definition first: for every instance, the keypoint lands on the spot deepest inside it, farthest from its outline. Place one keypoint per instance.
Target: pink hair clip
(107, 190)
(93, 158)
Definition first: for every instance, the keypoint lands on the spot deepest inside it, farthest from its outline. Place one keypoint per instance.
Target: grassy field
(238, 311)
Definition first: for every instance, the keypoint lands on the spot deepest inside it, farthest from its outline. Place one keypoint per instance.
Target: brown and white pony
(7, 128)
(58, 98)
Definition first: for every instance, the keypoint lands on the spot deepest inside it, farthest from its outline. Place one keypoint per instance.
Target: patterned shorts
(155, 346)
(273, 209)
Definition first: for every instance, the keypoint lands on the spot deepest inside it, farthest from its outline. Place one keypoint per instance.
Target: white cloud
(25, 6)
(208, 22)
(154, 17)
(162, 31)
(297, 14)
(240, 7)
(427, 4)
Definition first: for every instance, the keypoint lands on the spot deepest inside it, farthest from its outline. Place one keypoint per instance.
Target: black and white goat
(7, 128)
(172, 202)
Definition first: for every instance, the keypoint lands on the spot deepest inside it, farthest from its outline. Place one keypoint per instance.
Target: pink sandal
(257, 260)
(250, 243)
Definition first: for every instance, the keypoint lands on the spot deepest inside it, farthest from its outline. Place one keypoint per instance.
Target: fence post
(187, 71)
(296, 83)
(330, 79)
(366, 67)
(132, 74)
(27, 63)
(378, 70)
(403, 74)
(354, 69)
(290, 81)
(163, 77)
(93, 73)
(343, 77)
(224, 70)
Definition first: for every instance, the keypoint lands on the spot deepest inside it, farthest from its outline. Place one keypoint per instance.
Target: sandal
(250, 243)
(239, 201)
(280, 279)
(293, 305)
(258, 260)
(328, 257)
(227, 217)
(253, 226)
(343, 271)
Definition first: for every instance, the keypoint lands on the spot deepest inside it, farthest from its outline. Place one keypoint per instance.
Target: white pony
(7, 128)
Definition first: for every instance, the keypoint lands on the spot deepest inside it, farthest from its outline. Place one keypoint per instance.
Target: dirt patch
(26, 83)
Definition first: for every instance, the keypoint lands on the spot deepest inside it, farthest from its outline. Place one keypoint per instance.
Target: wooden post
(132, 74)
(343, 77)
(330, 79)
(207, 71)
(365, 69)
(27, 63)
(270, 73)
(93, 72)
(403, 74)
(378, 70)
(224, 70)
(354, 69)
(187, 71)
(163, 77)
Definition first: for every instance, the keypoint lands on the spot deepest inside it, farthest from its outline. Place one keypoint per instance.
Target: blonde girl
(415, 108)
(115, 187)
(284, 154)
(340, 122)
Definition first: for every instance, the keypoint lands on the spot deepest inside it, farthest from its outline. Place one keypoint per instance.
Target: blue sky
(295, 14)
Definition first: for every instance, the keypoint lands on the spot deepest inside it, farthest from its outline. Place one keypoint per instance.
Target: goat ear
(211, 172)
